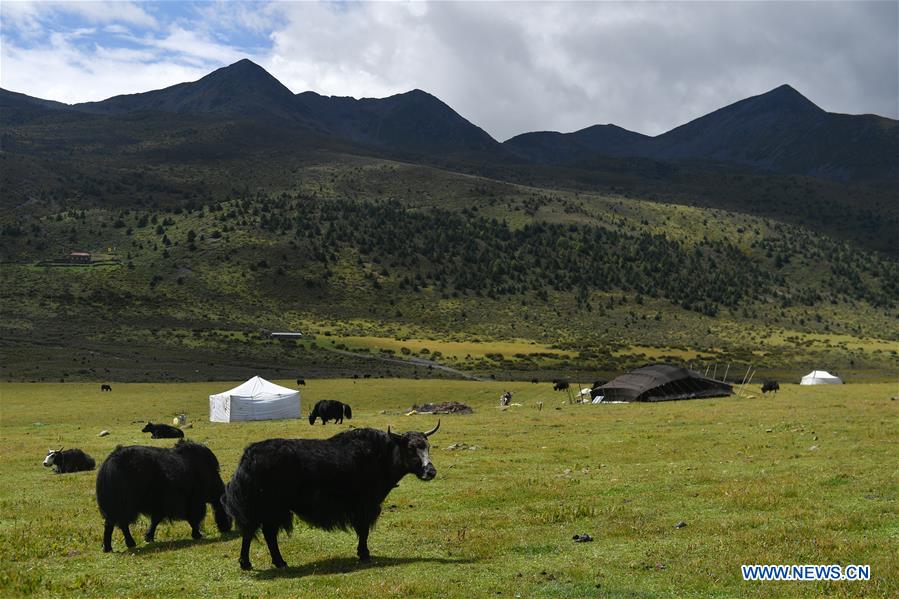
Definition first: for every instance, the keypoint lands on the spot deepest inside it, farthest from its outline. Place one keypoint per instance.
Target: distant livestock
(535, 381)
(301, 382)
(339, 482)
(163, 431)
(770, 385)
(329, 409)
(163, 483)
(506, 398)
(105, 388)
(560, 385)
(69, 460)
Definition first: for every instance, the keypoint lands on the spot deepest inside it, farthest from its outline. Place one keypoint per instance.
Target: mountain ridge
(778, 131)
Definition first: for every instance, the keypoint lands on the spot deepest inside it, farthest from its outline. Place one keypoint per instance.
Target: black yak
(301, 382)
(329, 483)
(70, 460)
(163, 431)
(329, 409)
(770, 385)
(105, 388)
(560, 385)
(163, 483)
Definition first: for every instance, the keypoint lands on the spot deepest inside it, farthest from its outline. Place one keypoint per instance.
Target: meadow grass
(807, 477)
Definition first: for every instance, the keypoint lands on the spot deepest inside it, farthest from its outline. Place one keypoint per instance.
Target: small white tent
(820, 377)
(256, 399)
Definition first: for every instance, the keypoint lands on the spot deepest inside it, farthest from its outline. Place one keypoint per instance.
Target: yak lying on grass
(70, 460)
(163, 431)
(163, 483)
(329, 483)
(329, 409)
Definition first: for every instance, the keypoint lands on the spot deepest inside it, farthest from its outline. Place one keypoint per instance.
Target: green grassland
(806, 477)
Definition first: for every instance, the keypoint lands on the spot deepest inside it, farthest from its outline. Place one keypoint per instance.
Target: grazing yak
(329, 483)
(329, 409)
(560, 385)
(770, 385)
(163, 483)
(105, 388)
(70, 460)
(163, 431)
(301, 382)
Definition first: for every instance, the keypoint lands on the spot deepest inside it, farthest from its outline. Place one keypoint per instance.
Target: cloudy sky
(509, 67)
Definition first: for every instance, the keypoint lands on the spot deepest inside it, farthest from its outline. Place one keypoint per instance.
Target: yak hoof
(196, 535)
(107, 550)
(364, 557)
(245, 565)
(280, 564)
(149, 538)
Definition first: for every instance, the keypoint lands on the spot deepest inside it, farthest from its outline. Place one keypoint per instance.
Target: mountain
(414, 121)
(784, 131)
(779, 131)
(16, 108)
(243, 89)
(553, 147)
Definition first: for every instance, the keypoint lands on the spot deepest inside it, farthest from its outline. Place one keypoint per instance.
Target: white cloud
(515, 67)
(31, 13)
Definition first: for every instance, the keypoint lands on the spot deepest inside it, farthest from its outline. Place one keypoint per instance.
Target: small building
(80, 258)
(286, 335)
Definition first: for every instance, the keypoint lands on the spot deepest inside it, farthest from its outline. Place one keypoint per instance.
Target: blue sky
(509, 67)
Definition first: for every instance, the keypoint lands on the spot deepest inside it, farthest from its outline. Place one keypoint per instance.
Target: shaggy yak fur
(770, 386)
(69, 460)
(163, 431)
(329, 409)
(334, 483)
(560, 385)
(163, 483)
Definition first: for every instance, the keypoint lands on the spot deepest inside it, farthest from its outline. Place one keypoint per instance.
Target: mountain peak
(784, 97)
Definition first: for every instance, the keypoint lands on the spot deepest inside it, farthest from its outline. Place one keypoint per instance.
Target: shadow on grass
(158, 546)
(342, 565)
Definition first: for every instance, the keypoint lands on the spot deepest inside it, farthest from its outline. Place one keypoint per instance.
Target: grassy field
(806, 477)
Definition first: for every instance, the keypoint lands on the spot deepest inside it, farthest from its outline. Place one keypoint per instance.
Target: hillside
(372, 257)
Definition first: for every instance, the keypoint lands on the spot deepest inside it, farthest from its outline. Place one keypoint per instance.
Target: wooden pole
(740, 391)
(715, 372)
(725, 372)
(750, 379)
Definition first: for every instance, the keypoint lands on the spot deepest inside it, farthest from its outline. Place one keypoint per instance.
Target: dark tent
(662, 382)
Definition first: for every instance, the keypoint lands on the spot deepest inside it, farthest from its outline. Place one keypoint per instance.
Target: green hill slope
(365, 256)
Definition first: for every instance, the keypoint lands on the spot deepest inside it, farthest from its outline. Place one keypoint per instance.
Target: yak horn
(433, 430)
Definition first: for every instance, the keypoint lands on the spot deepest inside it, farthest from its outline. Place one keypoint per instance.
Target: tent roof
(258, 387)
(820, 374)
(659, 382)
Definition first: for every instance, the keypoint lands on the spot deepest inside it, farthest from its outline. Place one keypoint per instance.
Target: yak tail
(222, 518)
(234, 500)
(347, 411)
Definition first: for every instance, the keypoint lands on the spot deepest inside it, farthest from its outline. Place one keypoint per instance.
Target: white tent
(256, 399)
(820, 377)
